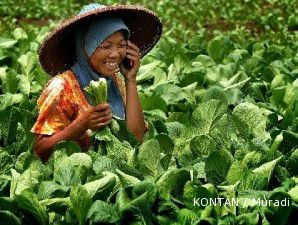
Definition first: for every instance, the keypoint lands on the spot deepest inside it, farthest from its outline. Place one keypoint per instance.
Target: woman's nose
(114, 53)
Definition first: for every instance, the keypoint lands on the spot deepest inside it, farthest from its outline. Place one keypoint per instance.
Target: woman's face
(109, 54)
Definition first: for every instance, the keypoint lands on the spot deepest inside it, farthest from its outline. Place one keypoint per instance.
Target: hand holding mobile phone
(131, 62)
(127, 63)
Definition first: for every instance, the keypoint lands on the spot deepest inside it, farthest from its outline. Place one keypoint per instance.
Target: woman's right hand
(96, 117)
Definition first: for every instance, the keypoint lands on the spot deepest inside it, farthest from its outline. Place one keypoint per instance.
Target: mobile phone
(127, 63)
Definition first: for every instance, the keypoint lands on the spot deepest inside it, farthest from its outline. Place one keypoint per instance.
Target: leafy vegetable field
(221, 101)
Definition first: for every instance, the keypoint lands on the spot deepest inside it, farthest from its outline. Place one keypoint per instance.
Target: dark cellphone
(127, 63)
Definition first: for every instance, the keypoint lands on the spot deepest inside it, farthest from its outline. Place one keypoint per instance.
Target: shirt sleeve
(53, 107)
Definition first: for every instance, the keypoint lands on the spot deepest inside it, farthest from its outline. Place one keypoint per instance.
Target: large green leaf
(193, 192)
(24, 160)
(81, 162)
(137, 201)
(20, 33)
(166, 147)
(172, 182)
(24, 85)
(80, 203)
(102, 212)
(249, 218)
(171, 93)
(27, 180)
(219, 47)
(237, 172)
(174, 129)
(250, 119)
(9, 218)
(215, 92)
(126, 179)
(278, 212)
(49, 189)
(149, 158)
(6, 162)
(294, 193)
(103, 163)
(28, 201)
(237, 81)
(9, 99)
(7, 43)
(67, 176)
(217, 166)
(148, 71)
(210, 118)
(57, 205)
(207, 114)
(201, 146)
(10, 81)
(28, 62)
(267, 169)
(153, 102)
(101, 187)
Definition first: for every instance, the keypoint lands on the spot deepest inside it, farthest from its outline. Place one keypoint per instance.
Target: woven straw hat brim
(57, 51)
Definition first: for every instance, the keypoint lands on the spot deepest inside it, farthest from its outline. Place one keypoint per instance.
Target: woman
(95, 43)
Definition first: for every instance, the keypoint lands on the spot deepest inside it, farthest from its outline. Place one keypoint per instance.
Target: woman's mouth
(111, 65)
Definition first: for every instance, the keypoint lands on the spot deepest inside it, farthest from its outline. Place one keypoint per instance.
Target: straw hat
(57, 51)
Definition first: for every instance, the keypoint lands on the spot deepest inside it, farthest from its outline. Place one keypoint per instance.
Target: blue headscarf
(87, 41)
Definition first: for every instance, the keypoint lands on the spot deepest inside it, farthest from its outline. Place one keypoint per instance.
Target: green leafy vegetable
(98, 91)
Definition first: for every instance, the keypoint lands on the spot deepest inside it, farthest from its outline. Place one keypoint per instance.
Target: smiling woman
(108, 56)
(102, 48)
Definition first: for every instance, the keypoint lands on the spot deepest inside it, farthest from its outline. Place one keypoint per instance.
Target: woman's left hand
(133, 53)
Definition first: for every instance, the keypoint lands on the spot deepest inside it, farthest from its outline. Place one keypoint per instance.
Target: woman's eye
(107, 47)
(104, 46)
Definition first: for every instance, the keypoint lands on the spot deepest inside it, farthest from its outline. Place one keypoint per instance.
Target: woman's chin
(106, 73)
